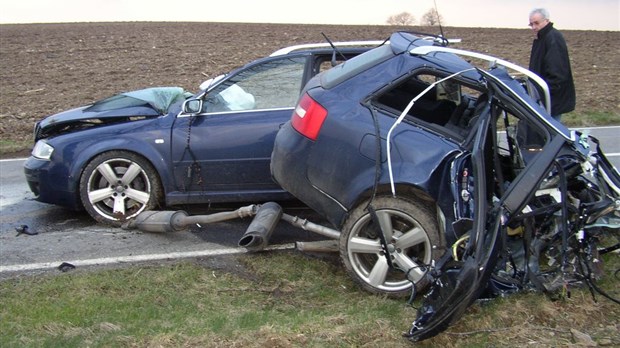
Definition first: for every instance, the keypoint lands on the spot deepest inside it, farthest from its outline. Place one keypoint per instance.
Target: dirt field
(47, 68)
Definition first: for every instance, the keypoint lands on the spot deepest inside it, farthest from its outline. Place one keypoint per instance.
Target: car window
(449, 105)
(272, 84)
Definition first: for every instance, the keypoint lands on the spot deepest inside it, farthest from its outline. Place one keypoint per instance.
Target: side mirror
(192, 106)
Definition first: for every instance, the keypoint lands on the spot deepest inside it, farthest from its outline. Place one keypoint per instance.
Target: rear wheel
(413, 240)
(118, 185)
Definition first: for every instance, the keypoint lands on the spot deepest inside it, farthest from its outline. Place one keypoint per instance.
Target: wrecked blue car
(448, 178)
(164, 146)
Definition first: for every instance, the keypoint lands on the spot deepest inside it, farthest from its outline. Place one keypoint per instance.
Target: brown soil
(47, 68)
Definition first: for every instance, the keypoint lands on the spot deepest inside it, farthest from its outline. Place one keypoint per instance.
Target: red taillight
(308, 117)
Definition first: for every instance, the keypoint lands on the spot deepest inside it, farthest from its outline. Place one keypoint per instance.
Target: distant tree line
(430, 18)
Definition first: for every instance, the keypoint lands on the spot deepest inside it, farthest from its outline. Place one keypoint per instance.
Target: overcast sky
(566, 14)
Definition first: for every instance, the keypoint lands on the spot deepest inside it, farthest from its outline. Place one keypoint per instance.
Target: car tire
(413, 232)
(111, 198)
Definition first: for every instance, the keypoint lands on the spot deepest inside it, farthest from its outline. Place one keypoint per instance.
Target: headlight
(42, 150)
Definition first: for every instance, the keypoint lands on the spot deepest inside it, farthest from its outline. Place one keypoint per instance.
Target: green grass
(591, 119)
(187, 304)
(9, 146)
(281, 299)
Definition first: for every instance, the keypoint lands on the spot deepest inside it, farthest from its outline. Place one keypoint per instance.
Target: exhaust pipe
(258, 233)
(311, 226)
(176, 221)
(323, 246)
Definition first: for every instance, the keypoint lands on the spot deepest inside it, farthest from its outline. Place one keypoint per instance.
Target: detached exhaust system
(176, 221)
(256, 237)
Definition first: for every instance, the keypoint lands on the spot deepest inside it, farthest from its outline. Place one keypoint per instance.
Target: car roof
(326, 45)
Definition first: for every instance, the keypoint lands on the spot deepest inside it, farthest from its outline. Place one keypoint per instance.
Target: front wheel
(413, 241)
(118, 185)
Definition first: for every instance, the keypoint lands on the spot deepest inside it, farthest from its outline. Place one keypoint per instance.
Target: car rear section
(392, 191)
(333, 156)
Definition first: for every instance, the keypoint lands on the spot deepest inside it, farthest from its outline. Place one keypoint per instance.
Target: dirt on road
(47, 68)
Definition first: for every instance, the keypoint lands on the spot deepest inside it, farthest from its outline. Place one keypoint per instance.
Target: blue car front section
(56, 181)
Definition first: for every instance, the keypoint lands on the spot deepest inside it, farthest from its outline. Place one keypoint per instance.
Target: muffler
(256, 237)
(175, 221)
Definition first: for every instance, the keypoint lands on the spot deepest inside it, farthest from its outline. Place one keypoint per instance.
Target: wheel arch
(406, 190)
(139, 148)
(362, 188)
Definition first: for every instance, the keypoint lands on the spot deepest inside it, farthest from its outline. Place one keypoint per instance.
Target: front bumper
(51, 183)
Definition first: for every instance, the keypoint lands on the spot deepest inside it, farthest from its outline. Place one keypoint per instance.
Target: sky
(566, 14)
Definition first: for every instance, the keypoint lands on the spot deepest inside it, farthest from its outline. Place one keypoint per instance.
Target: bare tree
(403, 18)
(432, 17)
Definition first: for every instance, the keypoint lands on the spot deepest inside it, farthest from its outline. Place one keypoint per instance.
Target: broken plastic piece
(65, 267)
(23, 229)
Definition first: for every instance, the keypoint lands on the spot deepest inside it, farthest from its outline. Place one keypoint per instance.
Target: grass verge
(591, 119)
(278, 299)
(8, 148)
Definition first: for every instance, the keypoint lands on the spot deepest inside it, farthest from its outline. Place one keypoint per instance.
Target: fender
(149, 148)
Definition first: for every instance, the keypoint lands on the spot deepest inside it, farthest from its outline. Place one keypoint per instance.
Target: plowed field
(47, 68)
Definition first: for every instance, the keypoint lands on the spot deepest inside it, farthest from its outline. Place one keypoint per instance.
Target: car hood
(128, 106)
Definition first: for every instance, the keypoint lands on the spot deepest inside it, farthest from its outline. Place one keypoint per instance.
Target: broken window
(273, 84)
(449, 106)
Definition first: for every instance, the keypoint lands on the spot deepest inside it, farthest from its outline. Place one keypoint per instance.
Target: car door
(226, 149)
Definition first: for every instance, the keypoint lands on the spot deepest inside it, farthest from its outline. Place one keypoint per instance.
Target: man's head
(539, 18)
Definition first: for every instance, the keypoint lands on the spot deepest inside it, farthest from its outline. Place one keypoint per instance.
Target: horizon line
(281, 23)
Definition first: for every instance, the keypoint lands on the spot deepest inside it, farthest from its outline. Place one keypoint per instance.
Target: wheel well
(407, 191)
(403, 190)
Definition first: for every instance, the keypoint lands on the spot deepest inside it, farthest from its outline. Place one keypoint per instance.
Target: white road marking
(12, 159)
(135, 258)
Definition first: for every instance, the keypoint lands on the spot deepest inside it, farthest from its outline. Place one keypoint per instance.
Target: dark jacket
(549, 59)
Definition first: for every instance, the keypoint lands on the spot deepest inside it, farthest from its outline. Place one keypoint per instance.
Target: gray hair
(542, 11)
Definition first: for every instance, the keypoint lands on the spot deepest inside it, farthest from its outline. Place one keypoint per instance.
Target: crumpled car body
(142, 150)
(446, 177)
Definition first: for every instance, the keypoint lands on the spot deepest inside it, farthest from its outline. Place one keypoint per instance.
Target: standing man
(549, 59)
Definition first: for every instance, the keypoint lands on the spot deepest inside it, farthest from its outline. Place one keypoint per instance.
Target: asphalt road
(66, 236)
(63, 235)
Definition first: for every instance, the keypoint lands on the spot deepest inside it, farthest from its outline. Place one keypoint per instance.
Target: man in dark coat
(549, 60)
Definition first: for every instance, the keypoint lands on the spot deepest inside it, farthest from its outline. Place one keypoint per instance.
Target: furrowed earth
(48, 68)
